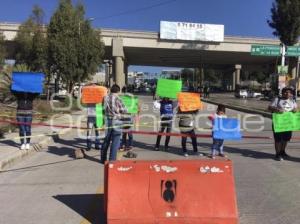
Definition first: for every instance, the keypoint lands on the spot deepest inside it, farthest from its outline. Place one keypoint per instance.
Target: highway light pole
(282, 54)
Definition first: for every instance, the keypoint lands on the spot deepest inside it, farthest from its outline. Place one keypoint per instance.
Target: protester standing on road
(286, 103)
(24, 116)
(206, 91)
(186, 126)
(128, 122)
(91, 123)
(166, 115)
(153, 90)
(114, 110)
(218, 144)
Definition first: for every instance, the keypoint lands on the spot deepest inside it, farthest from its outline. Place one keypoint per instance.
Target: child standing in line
(128, 125)
(166, 115)
(218, 144)
(92, 123)
(186, 126)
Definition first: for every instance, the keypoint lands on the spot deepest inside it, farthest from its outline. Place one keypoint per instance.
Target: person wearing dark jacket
(24, 116)
(166, 115)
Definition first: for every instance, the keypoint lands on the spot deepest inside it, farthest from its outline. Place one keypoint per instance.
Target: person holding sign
(26, 86)
(132, 105)
(114, 110)
(92, 95)
(186, 126)
(286, 103)
(166, 114)
(218, 144)
(24, 116)
(91, 123)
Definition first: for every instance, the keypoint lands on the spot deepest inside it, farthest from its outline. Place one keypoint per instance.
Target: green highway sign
(265, 50)
(293, 51)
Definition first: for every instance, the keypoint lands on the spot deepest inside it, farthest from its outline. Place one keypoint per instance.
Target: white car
(253, 94)
(242, 93)
(256, 95)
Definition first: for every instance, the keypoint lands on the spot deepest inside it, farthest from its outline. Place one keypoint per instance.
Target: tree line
(67, 49)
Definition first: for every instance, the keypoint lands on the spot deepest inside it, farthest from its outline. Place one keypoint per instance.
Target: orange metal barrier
(177, 192)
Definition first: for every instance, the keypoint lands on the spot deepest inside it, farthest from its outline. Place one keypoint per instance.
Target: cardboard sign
(27, 82)
(227, 128)
(168, 88)
(99, 116)
(287, 121)
(131, 103)
(189, 101)
(93, 94)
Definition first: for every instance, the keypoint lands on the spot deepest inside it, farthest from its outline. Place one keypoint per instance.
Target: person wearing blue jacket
(166, 115)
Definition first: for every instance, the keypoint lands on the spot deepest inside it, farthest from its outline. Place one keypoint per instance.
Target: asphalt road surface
(52, 187)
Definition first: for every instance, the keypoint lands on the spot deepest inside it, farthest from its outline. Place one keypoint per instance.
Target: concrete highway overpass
(126, 47)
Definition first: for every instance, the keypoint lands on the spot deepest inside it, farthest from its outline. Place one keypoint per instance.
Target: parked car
(245, 93)
(242, 93)
(253, 94)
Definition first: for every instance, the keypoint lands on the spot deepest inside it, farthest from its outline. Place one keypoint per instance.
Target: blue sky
(240, 17)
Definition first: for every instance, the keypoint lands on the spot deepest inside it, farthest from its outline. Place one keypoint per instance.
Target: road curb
(36, 147)
(242, 109)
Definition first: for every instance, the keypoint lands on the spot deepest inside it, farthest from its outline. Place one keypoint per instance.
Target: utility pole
(282, 64)
(282, 54)
(297, 78)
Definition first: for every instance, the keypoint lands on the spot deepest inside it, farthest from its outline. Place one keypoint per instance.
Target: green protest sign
(287, 121)
(131, 103)
(168, 88)
(99, 115)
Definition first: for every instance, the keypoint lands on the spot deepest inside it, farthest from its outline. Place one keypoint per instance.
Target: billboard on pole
(191, 31)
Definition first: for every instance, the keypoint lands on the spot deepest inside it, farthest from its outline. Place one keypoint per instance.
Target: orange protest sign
(93, 94)
(189, 101)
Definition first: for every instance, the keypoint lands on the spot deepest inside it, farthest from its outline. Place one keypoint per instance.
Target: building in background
(171, 74)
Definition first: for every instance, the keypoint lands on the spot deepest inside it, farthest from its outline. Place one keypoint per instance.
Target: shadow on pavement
(252, 153)
(9, 143)
(76, 143)
(89, 206)
(62, 151)
(29, 168)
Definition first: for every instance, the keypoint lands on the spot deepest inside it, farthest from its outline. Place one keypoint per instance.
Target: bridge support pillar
(238, 74)
(233, 81)
(236, 80)
(126, 74)
(118, 55)
(119, 71)
(108, 73)
(201, 79)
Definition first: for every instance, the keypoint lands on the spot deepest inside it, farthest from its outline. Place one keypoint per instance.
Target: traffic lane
(227, 98)
(53, 187)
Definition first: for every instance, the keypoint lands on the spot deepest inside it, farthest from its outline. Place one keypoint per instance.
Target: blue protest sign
(27, 82)
(227, 128)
